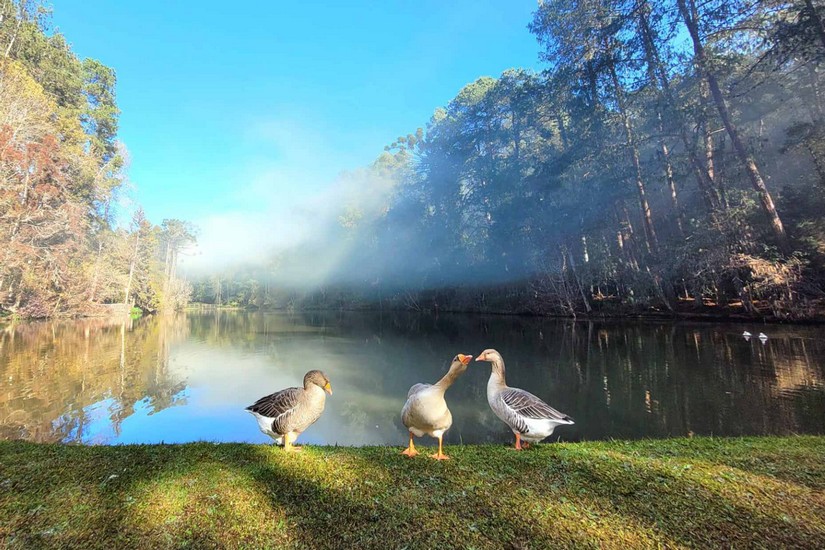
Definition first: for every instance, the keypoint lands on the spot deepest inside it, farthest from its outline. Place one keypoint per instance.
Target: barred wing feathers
(522, 406)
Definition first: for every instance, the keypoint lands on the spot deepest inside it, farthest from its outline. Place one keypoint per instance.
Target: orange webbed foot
(440, 456)
(409, 452)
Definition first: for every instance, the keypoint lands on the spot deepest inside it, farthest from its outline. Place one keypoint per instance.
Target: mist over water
(189, 377)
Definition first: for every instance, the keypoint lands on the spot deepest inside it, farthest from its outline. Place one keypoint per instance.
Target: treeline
(670, 158)
(62, 173)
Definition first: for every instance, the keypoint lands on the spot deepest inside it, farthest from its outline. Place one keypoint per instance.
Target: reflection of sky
(221, 382)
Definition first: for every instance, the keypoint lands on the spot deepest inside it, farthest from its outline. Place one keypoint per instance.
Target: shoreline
(652, 316)
(634, 317)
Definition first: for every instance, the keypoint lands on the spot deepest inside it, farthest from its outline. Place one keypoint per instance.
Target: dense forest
(671, 158)
(62, 173)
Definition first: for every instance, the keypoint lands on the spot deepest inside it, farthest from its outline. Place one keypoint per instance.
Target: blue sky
(231, 110)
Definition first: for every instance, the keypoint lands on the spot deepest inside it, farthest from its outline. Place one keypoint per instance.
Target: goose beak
(328, 388)
(465, 359)
(480, 358)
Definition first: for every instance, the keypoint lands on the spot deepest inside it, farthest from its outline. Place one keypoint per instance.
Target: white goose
(426, 412)
(530, 418)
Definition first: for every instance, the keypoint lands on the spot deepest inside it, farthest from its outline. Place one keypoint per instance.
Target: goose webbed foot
(410, 450)
(519, 445)
(440, 454)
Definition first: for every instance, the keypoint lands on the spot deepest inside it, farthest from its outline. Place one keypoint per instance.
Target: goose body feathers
(425, 411)
(525, 413)
(292, 410)
(528, 417)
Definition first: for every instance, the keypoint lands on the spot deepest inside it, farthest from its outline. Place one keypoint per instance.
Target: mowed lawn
(699, 492)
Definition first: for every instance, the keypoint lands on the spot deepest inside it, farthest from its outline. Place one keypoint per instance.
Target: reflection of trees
(617, 379)
(244, 330)
(53, 375)
(659, 380)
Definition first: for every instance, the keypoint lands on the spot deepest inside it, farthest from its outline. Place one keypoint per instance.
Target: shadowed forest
(669, 159)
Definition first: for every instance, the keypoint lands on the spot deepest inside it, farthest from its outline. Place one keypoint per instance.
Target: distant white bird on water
(746, 335)
(763, 337)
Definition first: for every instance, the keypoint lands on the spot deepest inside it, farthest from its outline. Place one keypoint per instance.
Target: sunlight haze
(238, 117)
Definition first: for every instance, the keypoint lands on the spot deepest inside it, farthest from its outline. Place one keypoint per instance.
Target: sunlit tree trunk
(132, 267)
(96, 276)
(716, 187)
(657, 73)
(671, 182)
(650, 232)
(13, 38)
(562, 131)
(652, 62)
(577, 278)
(745, 158)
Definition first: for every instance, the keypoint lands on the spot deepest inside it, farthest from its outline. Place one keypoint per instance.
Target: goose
(426, 412)
(284, 415)
(763, 336)
(746, 335)
(530, 418)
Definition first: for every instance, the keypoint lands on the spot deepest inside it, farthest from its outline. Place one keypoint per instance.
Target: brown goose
(426, 412)
(284, 415)
(529, 417)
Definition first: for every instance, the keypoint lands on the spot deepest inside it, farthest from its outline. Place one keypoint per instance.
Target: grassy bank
(681, 492)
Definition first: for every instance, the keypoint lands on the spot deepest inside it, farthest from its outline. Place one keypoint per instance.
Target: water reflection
(79, 380)
(185, 378)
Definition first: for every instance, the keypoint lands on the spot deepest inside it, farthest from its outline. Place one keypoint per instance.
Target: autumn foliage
(61, 175)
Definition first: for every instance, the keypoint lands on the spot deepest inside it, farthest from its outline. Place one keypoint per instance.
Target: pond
(188, 377)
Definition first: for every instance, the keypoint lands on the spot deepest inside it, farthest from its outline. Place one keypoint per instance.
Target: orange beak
(464, 358)
(328, 388)
(480, 358)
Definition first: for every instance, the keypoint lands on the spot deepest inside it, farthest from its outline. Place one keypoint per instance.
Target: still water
(188, 377)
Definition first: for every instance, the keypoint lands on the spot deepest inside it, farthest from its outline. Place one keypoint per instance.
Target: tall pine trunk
(650, 231)
(657, 72)
(745, 158)
(652, 63)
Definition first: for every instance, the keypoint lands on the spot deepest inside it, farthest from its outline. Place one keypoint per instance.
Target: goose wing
(521, 405)
(277, 405)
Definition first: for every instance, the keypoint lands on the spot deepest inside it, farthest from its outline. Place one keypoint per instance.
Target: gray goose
(284, 415)
(530, 418)
(426, 412)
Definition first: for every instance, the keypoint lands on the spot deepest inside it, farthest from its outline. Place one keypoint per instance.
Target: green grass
(701, 492)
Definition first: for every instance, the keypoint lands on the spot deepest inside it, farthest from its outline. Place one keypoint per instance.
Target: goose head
(460, 363)
(490, 355)
(319, 379)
